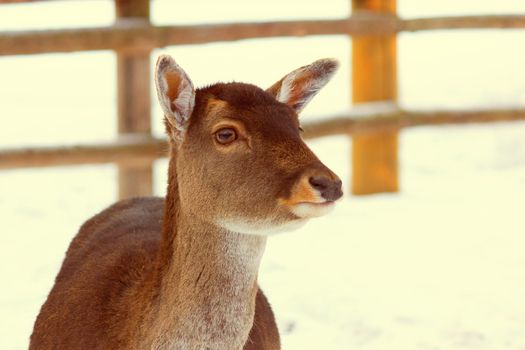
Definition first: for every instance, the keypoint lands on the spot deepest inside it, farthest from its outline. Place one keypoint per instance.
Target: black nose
(328, 188)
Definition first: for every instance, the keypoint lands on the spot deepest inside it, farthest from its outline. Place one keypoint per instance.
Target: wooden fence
(373, 125)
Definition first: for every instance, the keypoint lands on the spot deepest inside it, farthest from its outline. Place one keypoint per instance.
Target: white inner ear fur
(183, 105)
(287, 87)
(179, 109)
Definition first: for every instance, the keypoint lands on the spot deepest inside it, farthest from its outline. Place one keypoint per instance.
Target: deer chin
(307, 210)
(263, 227)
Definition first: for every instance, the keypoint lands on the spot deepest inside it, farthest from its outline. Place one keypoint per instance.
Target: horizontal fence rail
(21, 1)
(138, 148)
(132, 34)
(129, 149)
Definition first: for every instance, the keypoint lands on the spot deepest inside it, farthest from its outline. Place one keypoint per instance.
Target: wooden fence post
(374, 78)
(134, 105)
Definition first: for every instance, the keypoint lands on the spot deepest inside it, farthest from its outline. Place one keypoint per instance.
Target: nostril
(329, 189)
(337, 190)
(320, 183)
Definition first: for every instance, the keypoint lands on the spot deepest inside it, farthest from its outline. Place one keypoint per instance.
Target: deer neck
(208, 281)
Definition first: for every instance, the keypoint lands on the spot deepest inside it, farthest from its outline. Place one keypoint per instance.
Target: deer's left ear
(297, 88)
(175, 93)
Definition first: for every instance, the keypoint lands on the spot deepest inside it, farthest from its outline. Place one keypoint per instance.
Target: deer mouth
(312, 209)
(323, 203)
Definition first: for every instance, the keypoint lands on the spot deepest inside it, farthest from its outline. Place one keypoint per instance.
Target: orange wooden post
(374, 72)
(134, 105)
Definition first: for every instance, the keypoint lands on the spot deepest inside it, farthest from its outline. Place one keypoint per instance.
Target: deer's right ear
(297, 88)
(175, 93)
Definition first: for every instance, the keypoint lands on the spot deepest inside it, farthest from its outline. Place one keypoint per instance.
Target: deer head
(239, 158)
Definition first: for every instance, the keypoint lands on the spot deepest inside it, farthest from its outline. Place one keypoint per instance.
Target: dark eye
(301, 129)
(225, 136)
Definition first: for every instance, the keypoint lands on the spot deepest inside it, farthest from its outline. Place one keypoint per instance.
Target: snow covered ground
(440, 265)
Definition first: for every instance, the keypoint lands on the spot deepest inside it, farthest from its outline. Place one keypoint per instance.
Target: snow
(439, 265)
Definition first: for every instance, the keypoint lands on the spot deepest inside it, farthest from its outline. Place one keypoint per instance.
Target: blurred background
(426, 251)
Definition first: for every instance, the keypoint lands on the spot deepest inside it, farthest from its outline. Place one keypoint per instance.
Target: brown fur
(148, 273)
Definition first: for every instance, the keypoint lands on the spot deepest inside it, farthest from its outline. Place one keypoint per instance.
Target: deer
(180, 272)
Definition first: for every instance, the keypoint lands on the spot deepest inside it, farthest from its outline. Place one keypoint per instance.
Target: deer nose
(328, 188)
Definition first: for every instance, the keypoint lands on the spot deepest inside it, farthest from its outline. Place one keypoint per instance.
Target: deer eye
(225, 136)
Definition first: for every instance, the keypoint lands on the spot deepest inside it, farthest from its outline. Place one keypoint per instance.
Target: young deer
(181, 273)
